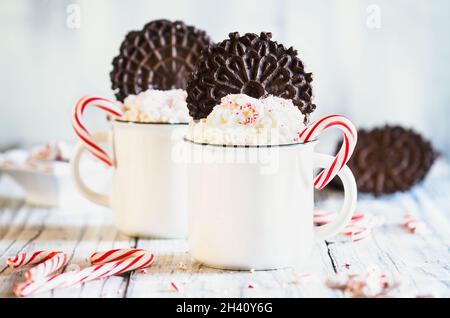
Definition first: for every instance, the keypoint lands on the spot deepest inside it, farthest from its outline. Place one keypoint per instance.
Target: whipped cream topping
(242, 120)
(155, 106)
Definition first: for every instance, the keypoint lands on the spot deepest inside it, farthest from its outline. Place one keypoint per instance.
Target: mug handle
(350, 194)
(313, 131)
(87, 192)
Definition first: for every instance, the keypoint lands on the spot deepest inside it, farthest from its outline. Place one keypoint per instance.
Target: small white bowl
(55, 187)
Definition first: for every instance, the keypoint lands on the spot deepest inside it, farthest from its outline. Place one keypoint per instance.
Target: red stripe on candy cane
(360, 235)
(75, 115)
(47, 267)
(83, 133)
(22, 259)
(110, 111)
(319, 176)
(25, 259)
(93, 258)
(114, 255)
(332, 170)
(328, 174)
(90, 100)
(34, 256)
(94, 150)
(342, 157)
(332, 167)
(89, 143)
(359, 227)
(303, 132)
(347, 146)
(315, 125)
(340, 123)
(143, 260)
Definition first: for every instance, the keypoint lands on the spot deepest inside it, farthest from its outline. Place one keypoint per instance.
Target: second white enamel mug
(149, 194)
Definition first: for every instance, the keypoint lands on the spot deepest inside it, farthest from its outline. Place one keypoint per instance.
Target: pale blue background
(396, 74)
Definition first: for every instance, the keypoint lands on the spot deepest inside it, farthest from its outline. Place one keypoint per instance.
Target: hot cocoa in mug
(251, 192)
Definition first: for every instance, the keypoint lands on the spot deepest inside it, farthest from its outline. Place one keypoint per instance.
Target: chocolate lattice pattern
(161, 56)
(249, 64)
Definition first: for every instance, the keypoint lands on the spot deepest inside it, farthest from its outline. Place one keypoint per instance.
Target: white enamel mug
(252, 207)
(149, 195)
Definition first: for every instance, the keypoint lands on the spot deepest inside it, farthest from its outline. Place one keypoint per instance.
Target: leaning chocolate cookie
(161, 56)
(390, 159)
(252, 65)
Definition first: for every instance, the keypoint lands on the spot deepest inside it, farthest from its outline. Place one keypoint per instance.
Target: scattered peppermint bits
(250, 286)
(175, 287)
(373, 283)
(360, 234)
(243, 120)
(247, 114)
(414, 225)
(359, 228)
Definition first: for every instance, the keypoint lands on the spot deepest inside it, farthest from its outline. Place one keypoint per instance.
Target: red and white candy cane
(26, 259)
(322, 217)
(118, 267)
(47, 267)
(358, 234)
(110, 107)
(313, 131)
(114, 255)
(360, 225)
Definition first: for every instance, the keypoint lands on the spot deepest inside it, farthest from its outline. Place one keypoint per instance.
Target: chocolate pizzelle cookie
(249, 64)
(390, 159)
(161, 56)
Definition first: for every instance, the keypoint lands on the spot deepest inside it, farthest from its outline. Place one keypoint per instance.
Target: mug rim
(250, 146)
(146, 123)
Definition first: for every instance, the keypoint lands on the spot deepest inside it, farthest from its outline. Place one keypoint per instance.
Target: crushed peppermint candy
(175, 286)
(373, 283)
(359, 227)
(414, 225)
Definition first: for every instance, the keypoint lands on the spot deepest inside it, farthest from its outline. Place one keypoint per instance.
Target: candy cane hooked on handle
(110, 107)
(313, 131)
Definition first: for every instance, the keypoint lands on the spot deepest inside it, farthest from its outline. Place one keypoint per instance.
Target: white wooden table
(420, 261)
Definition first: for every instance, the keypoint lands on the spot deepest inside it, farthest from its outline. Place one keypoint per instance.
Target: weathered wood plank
(20, 236)
(174, 264)
(422, 261)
